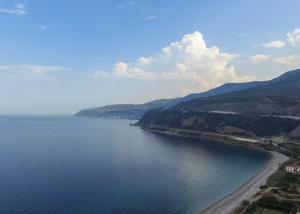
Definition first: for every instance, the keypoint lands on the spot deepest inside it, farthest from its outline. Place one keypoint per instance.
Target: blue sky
(58, 56)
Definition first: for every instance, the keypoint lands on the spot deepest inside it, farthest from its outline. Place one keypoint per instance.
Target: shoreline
(228, 203)
(228, 139)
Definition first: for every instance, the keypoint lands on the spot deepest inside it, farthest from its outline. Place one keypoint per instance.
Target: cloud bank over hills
(189, 60)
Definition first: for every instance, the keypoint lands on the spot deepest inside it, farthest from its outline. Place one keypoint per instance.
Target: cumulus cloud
(144, 61)
(293, 60)
(31, 72)
(122, 69)
(274, 44)
(18, 9)
(149, 18)
(258, 58)
(188, 61)
(294, 37)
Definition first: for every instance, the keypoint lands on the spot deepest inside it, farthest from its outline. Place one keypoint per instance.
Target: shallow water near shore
(69, 165)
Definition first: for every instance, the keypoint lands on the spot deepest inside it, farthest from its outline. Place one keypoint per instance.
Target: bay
(69, 165)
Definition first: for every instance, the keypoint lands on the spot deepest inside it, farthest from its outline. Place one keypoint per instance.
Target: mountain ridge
(254, 111)
(136, 111)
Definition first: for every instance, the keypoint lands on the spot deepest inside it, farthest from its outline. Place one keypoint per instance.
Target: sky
(59, 56)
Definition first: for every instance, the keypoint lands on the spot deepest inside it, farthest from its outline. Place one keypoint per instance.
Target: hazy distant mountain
(136, 111)
(128, 111)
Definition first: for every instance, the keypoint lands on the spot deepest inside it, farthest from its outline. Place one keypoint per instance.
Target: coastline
(228, 139)
(247, 190)
(229, 202)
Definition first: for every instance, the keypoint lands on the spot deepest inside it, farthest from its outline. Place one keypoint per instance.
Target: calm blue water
(67, 165)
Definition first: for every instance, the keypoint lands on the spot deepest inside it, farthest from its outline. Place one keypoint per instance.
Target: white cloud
(99, 75)
(274, 44)
(294, 37)
(149, 18)
(293, 60)
(127, 4)
(18, 9)
(258, 58)
(42, 27)
(122, 70)
(31, 72)
(188, 62)
(144, 60)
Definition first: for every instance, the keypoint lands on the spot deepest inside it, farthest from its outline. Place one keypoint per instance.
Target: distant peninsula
(136, 111)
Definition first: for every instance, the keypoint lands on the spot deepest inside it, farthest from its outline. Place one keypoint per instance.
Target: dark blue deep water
(67, 165)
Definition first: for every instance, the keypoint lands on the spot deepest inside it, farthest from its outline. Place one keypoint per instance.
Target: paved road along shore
(226, 204)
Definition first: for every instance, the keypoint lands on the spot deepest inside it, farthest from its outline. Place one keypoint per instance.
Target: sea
(72, 165)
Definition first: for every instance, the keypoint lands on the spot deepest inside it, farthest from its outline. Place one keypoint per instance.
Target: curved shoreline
(229, 202)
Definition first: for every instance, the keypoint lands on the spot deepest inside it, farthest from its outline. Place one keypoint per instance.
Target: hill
(253, 111)
(136, 111)
(280, 96)
(126, 111)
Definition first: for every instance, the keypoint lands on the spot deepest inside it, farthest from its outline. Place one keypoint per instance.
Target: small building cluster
(293, 168)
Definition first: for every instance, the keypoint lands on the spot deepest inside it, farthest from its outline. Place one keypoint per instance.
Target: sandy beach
(227, 204)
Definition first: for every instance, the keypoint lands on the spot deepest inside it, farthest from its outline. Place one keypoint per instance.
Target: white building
(293, 168)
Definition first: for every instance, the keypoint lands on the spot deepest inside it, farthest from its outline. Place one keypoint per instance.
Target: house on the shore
(293, 168)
